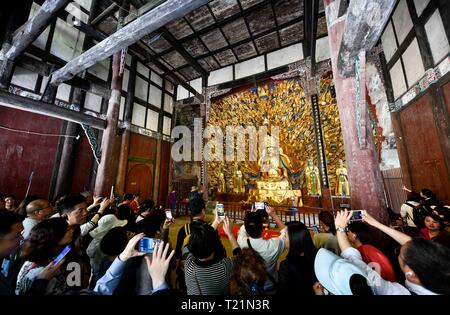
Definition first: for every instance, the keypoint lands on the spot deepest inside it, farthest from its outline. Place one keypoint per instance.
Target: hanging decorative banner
(319, 140)
(360, 76)
(92, 138)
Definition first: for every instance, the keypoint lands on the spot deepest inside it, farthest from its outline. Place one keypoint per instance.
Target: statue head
(340, 163)
(310, 162)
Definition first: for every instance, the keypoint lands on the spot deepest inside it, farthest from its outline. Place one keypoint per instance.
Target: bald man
(37, 211)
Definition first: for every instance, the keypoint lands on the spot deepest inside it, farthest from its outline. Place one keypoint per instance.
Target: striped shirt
(208, 277)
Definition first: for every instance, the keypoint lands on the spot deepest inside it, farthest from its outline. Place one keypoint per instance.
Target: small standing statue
(238, 181)
(342, 188)
(312, 178)
(222, 183)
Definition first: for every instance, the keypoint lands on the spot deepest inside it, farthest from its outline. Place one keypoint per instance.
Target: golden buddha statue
(342, 187)
(273, 163)
(312, 179)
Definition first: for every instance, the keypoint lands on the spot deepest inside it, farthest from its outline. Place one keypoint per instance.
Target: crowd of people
(82, 244)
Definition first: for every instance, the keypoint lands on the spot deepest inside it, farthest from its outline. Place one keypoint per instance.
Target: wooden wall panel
(22, 153)
(140, 180)
(426, 159)
(82, 164)
(142, 146)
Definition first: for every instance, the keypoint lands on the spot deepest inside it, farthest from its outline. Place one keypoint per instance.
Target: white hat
(105, 224)
(334, 272)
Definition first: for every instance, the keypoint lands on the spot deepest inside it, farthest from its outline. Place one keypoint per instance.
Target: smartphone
(169, 214)
(259, 206)
(147, 244)
(220, 210)
(63, 254)
(357, 215)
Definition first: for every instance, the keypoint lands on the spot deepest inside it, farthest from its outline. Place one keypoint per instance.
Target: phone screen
(169, 214)
(62, 254)
(357, 215)
(260, 206)
(147, 245)
(220, 210)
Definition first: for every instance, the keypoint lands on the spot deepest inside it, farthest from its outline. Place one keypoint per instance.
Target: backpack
(180, 271)
(419, 214)
(187, 230)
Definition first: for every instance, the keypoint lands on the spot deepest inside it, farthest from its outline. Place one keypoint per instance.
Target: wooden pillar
(203, 105)
(125, 138)
(65, 172)
(106, 171)
(366, 185)
(157, 172)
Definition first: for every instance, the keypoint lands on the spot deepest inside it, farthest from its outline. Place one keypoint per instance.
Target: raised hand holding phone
(357, 215)
(220, 210)
(51, 270)
(169, 215)
(130, 250)
(147, 245)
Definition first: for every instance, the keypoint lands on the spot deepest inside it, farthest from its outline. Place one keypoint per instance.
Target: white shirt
(378, 284)
(28, 225)
(270, 250)
(406, 211)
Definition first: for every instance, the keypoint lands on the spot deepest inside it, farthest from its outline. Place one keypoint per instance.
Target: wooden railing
(237, 211)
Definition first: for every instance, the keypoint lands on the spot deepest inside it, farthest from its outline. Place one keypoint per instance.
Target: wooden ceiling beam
(126, 36)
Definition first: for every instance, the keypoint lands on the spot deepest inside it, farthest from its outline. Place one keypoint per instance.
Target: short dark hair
(430, 261)
(253, 223)
(427, 193)
(197, 205)
(147, 204)
(436, 218)
(327, 218)
(42, 243)
(361, 230)
(149, 225)
(359, 286)
(202, 241)
(114, 242)
(66, 204)
(7, 220)
(128, 197)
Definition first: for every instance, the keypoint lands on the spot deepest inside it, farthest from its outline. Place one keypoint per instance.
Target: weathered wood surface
(27, 104)
(129, 34)
(365, 22)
